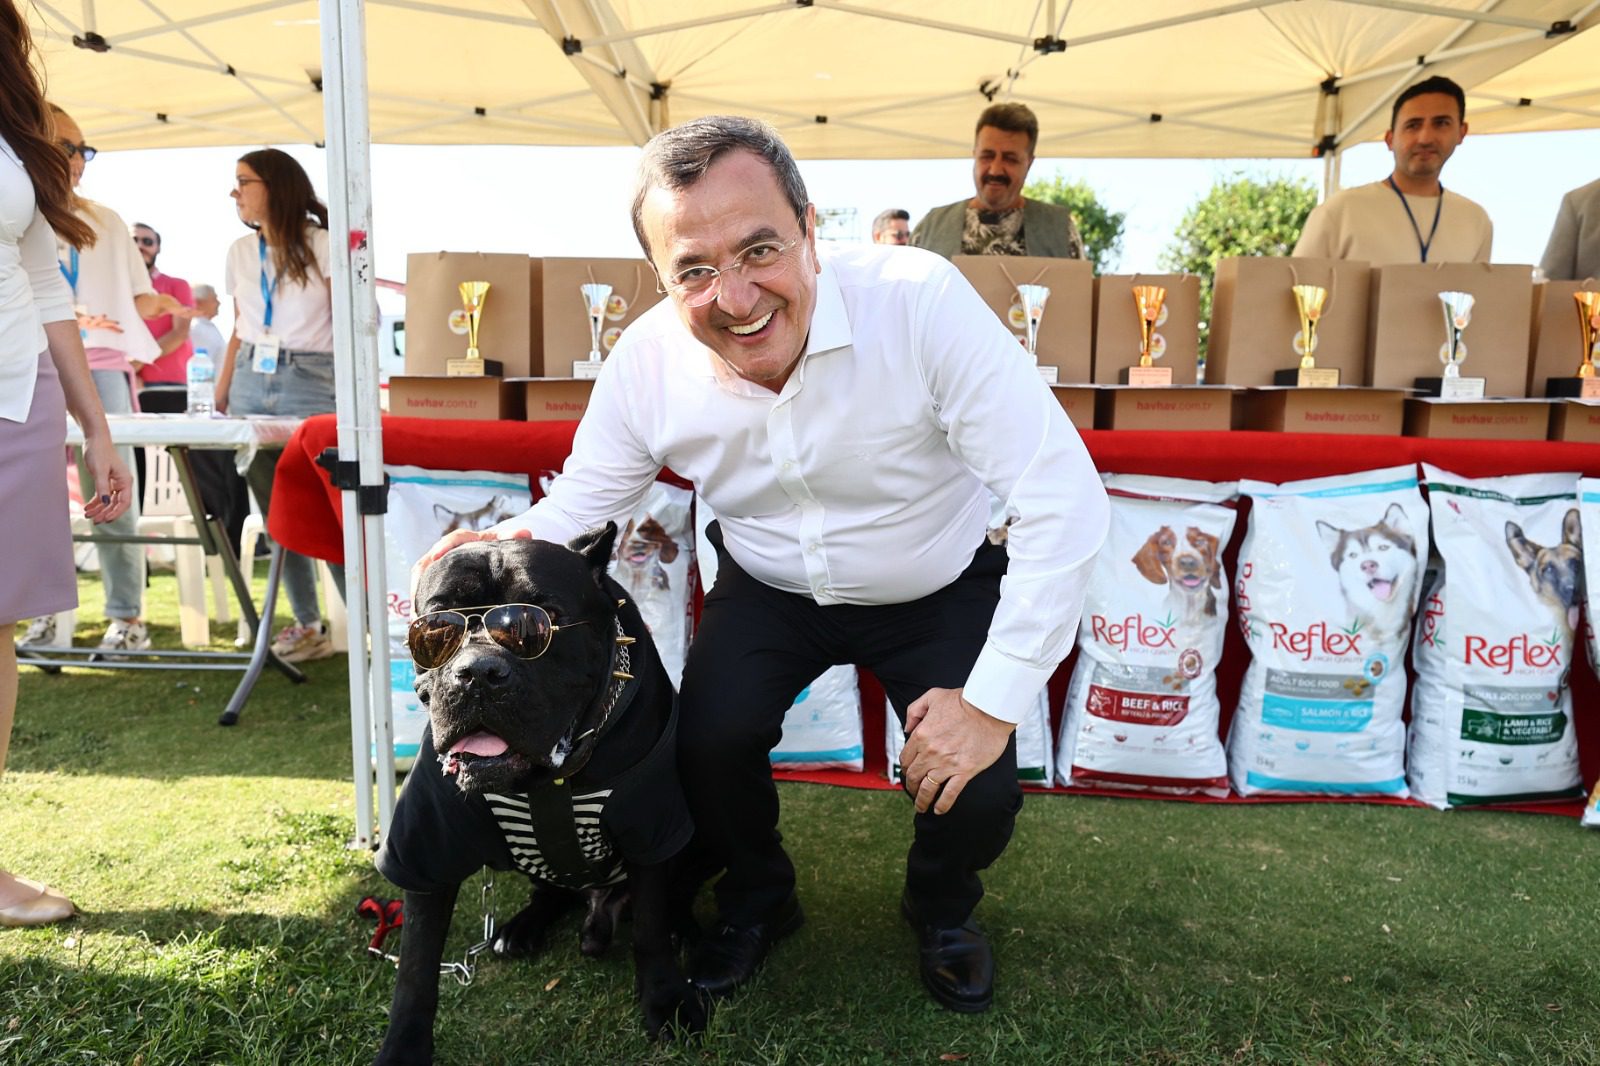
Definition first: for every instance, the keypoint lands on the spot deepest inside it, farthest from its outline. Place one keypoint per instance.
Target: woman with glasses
(280, 357)
(43, 375)
(112, 295)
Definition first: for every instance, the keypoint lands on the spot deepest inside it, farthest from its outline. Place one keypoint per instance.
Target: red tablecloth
(306, 514)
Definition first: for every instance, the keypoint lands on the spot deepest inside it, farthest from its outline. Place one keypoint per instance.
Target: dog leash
(390, 915)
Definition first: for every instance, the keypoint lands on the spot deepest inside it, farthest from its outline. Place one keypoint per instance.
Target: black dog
(557, 728)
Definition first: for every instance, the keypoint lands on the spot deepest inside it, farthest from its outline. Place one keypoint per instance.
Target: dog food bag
(424, 505)
(1142, 710)
(822, 730)
(1491, 714)
(1589, 515)
(1327, 588)
(1033, 743)
(654, 560)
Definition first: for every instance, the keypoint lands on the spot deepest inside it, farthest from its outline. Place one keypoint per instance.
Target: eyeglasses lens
(435, 637)
(521, 629)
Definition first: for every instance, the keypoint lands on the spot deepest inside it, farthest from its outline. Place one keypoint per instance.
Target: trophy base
(586, 369)
(1146, 377)
(1049, 374)
(1301, 377)
(1573, 388)
(1451, 388)
(474, 368)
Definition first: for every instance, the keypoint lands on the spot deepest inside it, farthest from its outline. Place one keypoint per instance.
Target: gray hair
(678, 158)
(203, 291)
(893, 214)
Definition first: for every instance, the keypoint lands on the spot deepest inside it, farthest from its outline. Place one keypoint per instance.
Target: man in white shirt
(203, 330)
(846, 413)
(1407, 217)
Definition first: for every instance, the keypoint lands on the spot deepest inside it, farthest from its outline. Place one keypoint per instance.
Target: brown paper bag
(1064, 328)
(566, 315)
(1116, 325)
(1254, 319)
(1406, 328)
(435, 327)
(1556, 343)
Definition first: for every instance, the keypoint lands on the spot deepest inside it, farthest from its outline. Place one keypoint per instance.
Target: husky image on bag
(1557, 572)
(1377, 567)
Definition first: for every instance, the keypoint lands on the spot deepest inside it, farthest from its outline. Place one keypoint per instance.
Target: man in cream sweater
(1407, 217)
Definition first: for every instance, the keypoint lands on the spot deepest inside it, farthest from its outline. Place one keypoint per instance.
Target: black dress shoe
(729, 955)
(957, 964)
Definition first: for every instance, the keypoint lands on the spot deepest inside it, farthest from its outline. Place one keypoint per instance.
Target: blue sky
(574, 201)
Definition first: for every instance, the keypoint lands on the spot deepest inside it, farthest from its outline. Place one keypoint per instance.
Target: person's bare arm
(113, 484)
(225, 371)
(173, 339)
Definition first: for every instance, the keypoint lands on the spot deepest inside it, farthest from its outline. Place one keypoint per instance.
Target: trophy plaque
(1147, 301)
(1453, 352)
(1033, 298)
(1584, 384)
(596, 298)
(474, 365)
(1309, 301)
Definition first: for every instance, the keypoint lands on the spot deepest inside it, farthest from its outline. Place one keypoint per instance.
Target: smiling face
(759, 330)
(249, 195)
(1425, 134)
(1000, 162)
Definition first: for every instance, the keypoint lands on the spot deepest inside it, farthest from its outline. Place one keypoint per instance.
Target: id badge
(264, 356)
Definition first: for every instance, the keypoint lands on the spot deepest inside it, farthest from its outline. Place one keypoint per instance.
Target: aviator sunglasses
(523, 629)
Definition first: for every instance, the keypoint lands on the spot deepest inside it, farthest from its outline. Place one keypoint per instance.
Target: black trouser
(222, 489)
(756, 648)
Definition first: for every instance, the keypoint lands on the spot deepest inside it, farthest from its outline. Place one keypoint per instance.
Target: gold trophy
(1147, 300)
(1585, 384)
(1310, 301)
(474, 365)
(596, 299)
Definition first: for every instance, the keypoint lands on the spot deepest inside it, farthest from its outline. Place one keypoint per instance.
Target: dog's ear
(1148, 560)
(595, 546)
(1395, 518)
(1571, 530)
(1208, 544)
(1523, 551)
(1330, 538)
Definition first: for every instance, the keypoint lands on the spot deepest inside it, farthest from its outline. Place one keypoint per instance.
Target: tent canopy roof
(839, 78)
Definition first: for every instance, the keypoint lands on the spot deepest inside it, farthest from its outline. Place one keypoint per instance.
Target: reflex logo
(1134, 630)
(1317, 639)
(1520, 651)
(1431, 629)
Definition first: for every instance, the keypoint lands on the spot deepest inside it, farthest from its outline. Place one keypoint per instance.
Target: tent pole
(355, 322)
(1330, 172)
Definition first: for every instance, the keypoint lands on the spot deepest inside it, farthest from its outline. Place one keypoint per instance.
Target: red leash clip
(389, 916)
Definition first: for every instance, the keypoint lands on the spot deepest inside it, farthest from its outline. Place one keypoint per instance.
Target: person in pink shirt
(170, 331)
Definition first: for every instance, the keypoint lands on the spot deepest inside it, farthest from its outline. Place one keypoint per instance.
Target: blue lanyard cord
(71, 274)
(267, 291)
(1438, 208)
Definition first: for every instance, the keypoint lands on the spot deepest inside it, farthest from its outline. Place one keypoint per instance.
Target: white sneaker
(41, 633)
(125, 636)
(298, 643)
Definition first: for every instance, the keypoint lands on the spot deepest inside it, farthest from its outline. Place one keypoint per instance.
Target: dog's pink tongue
(1382, 589)
(1572, 618)
(479, 744)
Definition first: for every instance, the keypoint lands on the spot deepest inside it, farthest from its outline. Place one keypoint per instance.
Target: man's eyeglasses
(147, 242)
(78, 149)
(523, 629)
(697, 286)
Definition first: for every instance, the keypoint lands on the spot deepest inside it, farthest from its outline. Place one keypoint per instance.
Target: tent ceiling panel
(891, 78)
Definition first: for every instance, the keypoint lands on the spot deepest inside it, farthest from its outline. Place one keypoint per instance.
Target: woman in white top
(43, 374)
(280, 358)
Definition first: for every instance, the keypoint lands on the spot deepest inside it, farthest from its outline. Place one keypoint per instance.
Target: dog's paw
(675, 1011)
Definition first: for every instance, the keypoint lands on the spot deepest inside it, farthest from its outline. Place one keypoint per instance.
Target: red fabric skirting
(307, 518)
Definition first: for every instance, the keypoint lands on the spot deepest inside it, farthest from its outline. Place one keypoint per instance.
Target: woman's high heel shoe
(40, 905)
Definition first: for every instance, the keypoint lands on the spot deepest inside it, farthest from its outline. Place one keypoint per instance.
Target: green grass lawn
(219, 927)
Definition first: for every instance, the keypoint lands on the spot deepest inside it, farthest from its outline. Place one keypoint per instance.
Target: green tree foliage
(1100, 227)
(1239, 216)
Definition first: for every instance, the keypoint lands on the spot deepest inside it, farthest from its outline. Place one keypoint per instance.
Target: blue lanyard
(1437, 209)
(267, 291)
(70, 274)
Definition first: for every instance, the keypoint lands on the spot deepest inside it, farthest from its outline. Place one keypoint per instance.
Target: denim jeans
(122, 566)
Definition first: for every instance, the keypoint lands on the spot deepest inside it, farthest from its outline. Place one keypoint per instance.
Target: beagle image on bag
(1142, 711)
(1491, 713)
(1327, 587)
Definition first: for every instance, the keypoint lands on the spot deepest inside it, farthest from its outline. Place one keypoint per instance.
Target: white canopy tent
(841, 79)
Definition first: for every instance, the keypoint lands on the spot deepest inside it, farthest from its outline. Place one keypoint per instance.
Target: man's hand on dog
(454, 539)
(949, 742)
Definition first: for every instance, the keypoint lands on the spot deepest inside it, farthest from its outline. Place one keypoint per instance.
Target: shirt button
(788, 466)
(826, 591)
(812, 547)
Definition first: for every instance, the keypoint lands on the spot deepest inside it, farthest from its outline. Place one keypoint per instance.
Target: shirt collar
(830, 322)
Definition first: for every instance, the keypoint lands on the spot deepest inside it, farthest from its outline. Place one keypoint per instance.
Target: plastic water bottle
(202, 382)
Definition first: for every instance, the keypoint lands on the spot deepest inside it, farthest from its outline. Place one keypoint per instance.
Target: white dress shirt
(110, 274)
(867, 478)
(302, 315)
(32, 291)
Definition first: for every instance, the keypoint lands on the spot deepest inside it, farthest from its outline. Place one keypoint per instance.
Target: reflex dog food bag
(1142, 710)
(822, 730)
(1033, 742)
(1329, 578)
(1491, 714)
(1589, 514)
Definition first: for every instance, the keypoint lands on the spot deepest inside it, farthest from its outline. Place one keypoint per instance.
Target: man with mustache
(1407, 217)
(846, 410)
(999, 220)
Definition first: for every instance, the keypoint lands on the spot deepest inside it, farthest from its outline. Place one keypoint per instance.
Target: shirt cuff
(1003, 688)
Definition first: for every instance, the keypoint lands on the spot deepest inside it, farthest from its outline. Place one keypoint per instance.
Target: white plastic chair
(166, 513)
(255, 529)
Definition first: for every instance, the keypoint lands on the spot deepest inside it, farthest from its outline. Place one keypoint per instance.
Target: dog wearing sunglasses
(550, 749)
